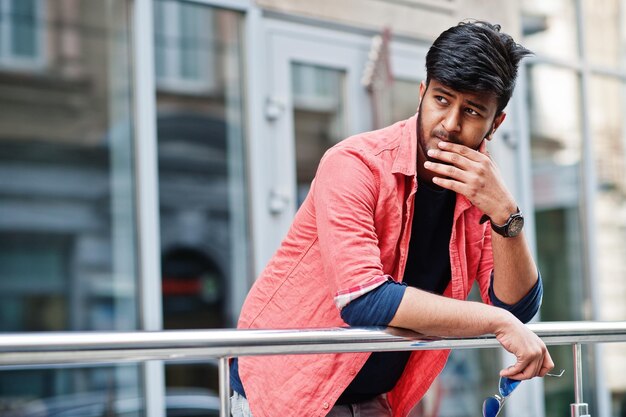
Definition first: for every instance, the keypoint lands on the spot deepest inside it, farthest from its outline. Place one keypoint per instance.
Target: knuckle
(482, 170)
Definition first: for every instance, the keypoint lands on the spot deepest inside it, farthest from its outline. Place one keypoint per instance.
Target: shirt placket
(407, 220)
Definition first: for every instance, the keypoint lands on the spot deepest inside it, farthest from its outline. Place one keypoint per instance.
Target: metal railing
(38, 349)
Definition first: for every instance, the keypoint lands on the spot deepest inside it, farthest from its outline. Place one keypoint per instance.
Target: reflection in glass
(186, 46)
(556, 146)
(549, 27)
(605, 38)
(21, 41)
(468, 378)
(319, 118)
(67, 216)
(202, 186)
(111, 401)
(608, 138)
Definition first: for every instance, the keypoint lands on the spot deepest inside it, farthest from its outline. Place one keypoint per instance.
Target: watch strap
(502, 229)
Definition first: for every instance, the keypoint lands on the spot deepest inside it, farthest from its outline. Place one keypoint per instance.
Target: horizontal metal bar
(36, 349)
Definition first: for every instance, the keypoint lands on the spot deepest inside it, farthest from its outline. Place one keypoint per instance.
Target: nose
(452, 121)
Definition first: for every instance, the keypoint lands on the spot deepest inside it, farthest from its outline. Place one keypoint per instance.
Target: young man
(397, 226)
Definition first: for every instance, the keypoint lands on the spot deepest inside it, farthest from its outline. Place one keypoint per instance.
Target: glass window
(556, 146)
(550, 27)
(318, 117)
(21, 32)
(470, 376)
(186, 46)
(67, 214)
(605, 37)
(609, 144)
(202, 176)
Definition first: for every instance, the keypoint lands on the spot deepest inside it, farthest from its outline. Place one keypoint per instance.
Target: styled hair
(476, 57)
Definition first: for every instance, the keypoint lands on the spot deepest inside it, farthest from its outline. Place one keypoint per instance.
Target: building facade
(153, 154)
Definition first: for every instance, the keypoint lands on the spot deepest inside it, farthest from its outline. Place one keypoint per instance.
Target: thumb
(515, 369)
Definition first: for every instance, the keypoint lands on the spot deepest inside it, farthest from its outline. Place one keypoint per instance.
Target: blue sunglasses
(493, 405)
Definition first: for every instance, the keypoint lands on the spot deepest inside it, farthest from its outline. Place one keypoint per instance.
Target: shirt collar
(406, 160)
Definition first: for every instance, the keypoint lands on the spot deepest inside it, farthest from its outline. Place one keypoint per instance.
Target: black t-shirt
(427, 268)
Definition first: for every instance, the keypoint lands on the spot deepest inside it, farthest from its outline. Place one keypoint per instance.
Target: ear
(423, 88)
(497, 121)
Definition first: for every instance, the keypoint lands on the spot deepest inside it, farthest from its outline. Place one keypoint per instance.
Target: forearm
(515, 272)
(436, 315)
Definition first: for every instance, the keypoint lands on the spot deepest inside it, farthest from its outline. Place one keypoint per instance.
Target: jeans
(377, 407)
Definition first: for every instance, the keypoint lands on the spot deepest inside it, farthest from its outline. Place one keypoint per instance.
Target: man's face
(449, 115)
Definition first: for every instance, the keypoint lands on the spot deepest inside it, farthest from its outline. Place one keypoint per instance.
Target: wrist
(502, 320)
(503, 213)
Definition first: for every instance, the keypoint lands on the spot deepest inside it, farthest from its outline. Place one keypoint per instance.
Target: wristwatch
(511, 228)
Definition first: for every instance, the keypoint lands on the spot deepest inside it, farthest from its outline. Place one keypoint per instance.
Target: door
(314, 99)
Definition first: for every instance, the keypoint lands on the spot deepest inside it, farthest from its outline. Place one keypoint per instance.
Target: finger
(521, 376)
(447, 171)
(521, 367)
(547, 365)
(451, 158)
(449, 184)
(537, 363)
(463, 150)
(519, 371)
(538, 366)
(515, 369)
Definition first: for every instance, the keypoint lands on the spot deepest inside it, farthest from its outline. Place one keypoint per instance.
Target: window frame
(173, 78)
(10, 60)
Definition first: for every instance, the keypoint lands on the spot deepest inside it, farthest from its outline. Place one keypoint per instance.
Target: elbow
(534, 303)
(355, 315)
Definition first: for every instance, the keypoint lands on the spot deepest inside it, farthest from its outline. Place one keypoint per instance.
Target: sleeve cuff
(526, 308)
(343, 297)
(377, 307)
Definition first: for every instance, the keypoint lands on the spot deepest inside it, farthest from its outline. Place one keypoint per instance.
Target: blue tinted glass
(507, 386)
(24, 27)
(491, 407)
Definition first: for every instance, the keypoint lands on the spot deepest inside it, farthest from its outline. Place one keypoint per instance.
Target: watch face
(515, 227)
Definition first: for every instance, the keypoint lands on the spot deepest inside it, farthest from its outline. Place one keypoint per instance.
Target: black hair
(476, 57)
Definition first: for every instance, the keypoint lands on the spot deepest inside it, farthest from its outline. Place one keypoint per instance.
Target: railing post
(579, 408)
(224, 380)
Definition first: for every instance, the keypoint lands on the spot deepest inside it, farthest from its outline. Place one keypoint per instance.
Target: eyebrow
(470, 102)
(477, 105)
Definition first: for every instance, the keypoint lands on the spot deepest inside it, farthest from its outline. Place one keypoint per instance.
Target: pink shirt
(351, 235)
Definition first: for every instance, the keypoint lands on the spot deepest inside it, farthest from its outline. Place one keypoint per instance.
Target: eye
(441, 99)
(471, 112)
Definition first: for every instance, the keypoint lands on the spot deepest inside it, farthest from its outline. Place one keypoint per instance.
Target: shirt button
(353, 372)
(325, 405)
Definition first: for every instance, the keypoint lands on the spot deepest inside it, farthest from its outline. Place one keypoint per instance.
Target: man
(397, 226)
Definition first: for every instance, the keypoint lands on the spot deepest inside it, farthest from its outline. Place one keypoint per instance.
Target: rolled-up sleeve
(345, 193)
(377, 307)
(526, 308)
